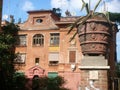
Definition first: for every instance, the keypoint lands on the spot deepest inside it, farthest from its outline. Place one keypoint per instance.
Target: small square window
(36, 61)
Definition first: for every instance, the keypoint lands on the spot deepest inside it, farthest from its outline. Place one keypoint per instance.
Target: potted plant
(94, 31)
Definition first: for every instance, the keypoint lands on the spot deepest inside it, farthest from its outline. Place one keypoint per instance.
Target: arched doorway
(35, 71)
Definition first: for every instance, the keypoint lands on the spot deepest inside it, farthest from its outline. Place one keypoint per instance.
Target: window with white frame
(72, 56)
(53, 58)
(38, 39)
(54, 39)
(21, 40)
(20, 58)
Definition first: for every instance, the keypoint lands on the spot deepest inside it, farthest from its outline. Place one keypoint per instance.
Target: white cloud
(5, 17)
(59, 3)
(62, 4)
(113, 6)
(75, 5)
(28, 6)
(71, 5)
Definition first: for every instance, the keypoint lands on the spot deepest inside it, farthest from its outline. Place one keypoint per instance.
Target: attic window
(39, 20)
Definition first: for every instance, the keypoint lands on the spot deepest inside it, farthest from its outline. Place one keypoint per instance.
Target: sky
(19, 9)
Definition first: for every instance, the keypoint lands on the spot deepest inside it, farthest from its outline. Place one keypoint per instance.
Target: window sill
(54, 46)
(21, 45)
(38, 45)
(53, 64)
(21, 63)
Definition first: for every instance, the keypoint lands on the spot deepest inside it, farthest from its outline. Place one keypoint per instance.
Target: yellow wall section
(53, 48)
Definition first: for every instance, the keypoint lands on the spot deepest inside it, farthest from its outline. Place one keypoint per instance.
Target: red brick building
(43, 48)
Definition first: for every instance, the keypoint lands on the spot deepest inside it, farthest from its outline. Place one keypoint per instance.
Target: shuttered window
(54, 56)
(20, 58)
(72, 56)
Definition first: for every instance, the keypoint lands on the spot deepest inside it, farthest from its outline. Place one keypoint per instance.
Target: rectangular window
(20, 58)
(36, 61)
(72, 56)
(21, 40)
(52, 74)
(54, 39)
(53, 58)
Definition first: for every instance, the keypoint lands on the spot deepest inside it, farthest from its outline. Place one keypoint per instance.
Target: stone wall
(94, 80)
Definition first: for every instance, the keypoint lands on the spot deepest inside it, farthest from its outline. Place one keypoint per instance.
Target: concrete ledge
(94, 67)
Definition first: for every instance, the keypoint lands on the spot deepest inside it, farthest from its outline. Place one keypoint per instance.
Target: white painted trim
(94, 67)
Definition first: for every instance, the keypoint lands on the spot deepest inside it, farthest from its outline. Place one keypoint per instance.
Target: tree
(19, 81)
(115, 17)
(45, 83)
(118, 69)
(7, 55)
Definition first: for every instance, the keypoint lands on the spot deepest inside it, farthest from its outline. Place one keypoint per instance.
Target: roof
(42, 10)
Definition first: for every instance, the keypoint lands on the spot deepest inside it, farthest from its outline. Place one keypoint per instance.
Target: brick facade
(47, 23)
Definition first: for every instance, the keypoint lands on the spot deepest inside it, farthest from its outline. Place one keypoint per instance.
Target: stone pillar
(94, 74)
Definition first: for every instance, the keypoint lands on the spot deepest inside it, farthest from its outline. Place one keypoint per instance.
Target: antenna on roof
(104, 6)
(89, 4)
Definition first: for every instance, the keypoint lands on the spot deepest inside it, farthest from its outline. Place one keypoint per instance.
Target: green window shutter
(52, 74)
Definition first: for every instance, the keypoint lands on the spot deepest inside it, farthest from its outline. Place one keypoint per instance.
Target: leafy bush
(45, 83)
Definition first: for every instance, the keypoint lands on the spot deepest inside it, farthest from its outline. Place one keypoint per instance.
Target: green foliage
(19, 81)
(7, 36)
(7, 41)
(118, 69)
(45, 83)
(115, 17)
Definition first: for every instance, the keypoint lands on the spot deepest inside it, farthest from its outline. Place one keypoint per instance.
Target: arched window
(38, 39)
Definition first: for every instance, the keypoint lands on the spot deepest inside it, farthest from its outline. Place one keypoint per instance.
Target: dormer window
(39, 20)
